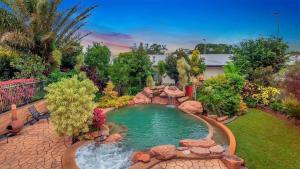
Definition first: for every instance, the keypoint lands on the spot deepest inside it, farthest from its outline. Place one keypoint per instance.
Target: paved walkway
(36, 147)
(191, 164)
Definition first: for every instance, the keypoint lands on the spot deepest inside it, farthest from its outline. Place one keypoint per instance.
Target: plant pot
(189, 91)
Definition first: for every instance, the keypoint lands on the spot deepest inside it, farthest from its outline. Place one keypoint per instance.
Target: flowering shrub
(92, 75)
(99, 117)
(15, 91)
(242, 108)
(267, 95)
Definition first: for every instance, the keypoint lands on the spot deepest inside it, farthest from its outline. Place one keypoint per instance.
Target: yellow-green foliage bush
(116, 103)
(267, 95)
(70, 102)
(111, 99)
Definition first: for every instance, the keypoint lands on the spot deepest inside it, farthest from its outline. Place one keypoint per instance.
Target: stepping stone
(200, 151)
(183, 99)
(163, 152)
(216, 149)
(182, 148)
(204, 143)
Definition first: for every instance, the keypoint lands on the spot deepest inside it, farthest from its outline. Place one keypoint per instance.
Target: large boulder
(163, 152)
(160, 100)
(204, 143)
(148, 92)
(173, 91)
(233, 161)
(193, 107)
(140, 98)
(114, 138)
(140, 156)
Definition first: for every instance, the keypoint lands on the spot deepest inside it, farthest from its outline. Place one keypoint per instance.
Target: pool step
(183, 99)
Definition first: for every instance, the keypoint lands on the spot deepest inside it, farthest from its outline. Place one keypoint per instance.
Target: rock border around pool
(146, 160)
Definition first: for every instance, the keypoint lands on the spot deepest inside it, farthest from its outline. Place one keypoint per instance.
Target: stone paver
(36, 147)
(190, 164)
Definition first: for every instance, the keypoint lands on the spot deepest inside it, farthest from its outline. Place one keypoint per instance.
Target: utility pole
(276, 14)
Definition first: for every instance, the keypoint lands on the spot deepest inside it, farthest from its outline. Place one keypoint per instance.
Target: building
(215, 64)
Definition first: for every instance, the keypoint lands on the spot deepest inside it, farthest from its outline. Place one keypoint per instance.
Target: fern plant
(71, 104)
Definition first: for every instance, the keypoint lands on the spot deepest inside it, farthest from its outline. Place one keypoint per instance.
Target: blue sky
(184, 23)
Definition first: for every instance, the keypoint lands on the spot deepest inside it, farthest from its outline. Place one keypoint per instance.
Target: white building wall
(213, 71)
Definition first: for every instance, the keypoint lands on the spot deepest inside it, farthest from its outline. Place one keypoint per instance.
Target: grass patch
(267, 142)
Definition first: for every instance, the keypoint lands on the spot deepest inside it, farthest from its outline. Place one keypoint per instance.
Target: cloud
(117, 42)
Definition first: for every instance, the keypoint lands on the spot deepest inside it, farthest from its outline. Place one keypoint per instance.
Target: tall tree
(171, 63)
(97, 57)
(254, 55)
(161, 69)
(211, 48)
(39, 27)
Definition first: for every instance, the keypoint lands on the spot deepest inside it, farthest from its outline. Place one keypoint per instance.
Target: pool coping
(69, 157)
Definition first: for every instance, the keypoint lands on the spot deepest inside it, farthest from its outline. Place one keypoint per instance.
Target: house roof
(210, 59)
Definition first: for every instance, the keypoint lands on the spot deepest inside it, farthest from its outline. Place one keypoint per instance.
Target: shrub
(242, 107)
(267, 95)
(292, 80)
(250, 102)
(277, 106)
(116, 103)
(70, 102)
(221, 94)
(111, 99)
(57, 76)
(28, 66)
(132, 91)
(99, 118)
(292, 106)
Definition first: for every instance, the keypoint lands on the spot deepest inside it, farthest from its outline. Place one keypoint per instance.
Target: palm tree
(38, 27)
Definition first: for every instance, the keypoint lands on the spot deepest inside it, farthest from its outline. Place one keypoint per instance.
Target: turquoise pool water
(151, 125)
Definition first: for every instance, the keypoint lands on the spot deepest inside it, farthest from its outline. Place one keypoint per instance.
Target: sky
(184, 23)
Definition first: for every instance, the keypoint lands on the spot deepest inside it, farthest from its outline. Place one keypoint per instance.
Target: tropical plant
(197, 63)
(161, 69)
(57, 56)
(97, 58)
(38, 26)
(260, 53)
(28, 66)
(149, 81)
(183, 69)
(70, 102)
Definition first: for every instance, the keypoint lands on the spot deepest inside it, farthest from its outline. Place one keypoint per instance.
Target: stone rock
(193, 107)
(159, 100)
(104, 130)
(148, 92)
(223, 118)
(183, 99)
(140, 98)
(204, 143)
(114, 138)
(213, 116)
(173, 91)
(200, 151)
(182, 148)
(163, 152)
(217, 149)
(163, 94)
(131, 102)
(140, 156)
(232, 161)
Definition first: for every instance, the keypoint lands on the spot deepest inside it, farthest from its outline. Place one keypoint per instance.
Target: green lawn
(267, 142)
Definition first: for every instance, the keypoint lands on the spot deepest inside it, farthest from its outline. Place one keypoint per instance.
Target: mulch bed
(280, 115)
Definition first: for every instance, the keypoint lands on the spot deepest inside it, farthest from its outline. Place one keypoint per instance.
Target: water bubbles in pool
(104, 156)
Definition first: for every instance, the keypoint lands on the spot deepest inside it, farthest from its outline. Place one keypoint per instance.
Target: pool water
(151, 125)
(148, 126)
